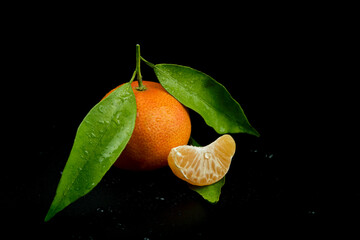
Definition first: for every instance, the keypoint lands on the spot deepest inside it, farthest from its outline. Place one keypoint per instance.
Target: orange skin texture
(162, 123)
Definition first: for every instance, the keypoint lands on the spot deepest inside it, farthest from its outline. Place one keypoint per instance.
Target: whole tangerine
(161, 124)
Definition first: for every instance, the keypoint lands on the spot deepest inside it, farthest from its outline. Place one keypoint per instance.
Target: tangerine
(203, 165)
(161, 124)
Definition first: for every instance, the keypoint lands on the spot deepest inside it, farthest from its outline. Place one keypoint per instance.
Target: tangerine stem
(141, 87)
(148, 63)
(133, 77)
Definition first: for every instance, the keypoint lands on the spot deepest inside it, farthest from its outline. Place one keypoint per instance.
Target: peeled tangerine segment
(203, 165)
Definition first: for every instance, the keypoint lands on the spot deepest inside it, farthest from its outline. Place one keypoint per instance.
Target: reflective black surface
(295, 180)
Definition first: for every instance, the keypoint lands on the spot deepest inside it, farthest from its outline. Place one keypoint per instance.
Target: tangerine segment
(203, 165)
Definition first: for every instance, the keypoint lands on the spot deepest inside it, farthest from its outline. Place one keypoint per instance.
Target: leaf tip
(49, 216)
(251, 130)
(255, 133)
(53, 210)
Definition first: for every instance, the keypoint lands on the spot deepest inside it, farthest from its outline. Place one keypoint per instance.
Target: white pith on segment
(206, 165)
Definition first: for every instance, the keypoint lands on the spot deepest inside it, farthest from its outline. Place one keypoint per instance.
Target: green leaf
(100, 138)
(205, 96)
(212, 192)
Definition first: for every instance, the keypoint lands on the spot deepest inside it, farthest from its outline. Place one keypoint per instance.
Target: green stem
(141, 87)
(148, 63)
(133, 77)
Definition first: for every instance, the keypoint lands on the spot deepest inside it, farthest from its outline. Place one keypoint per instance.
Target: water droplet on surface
(117, 119)
(312, 212)
(121, 226)
(101, 109)
(207, 155)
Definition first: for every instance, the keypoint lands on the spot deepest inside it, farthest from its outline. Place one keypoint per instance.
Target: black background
(285, 69)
